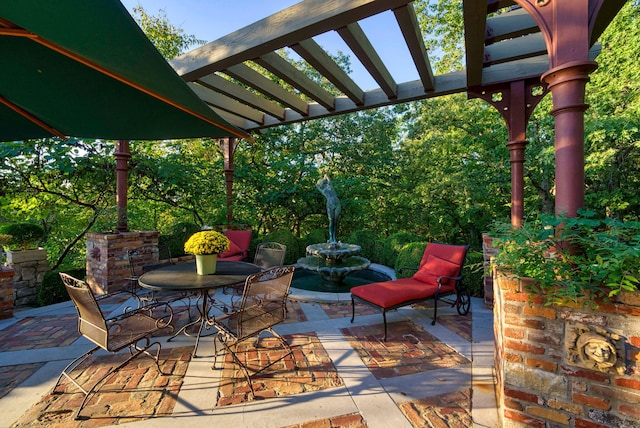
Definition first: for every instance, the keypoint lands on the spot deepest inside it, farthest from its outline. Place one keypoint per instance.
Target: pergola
(515, 52)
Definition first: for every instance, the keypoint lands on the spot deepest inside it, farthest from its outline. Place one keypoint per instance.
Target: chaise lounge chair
(439, 275)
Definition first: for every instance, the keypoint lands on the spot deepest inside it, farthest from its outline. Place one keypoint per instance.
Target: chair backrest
(269, 254)
(146, 258)
(91, 321)
(264, 300)
(441, 260)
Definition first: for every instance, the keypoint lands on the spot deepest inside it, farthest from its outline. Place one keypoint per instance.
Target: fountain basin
(310, 281)
(334, 251)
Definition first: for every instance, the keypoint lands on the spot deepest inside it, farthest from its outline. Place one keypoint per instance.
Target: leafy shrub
(473, 271)
(368, 241)
(316, 236)
(24, 236)
(594, 258)
(179, 235)
(52, 289)
(286, 237)
(409, 256)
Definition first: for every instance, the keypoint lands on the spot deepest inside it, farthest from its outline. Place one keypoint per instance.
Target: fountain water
(332, 260)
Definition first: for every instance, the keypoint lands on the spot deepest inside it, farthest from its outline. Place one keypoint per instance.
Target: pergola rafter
(508, 45)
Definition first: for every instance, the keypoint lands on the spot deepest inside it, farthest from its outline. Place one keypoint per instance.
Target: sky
(211, 19)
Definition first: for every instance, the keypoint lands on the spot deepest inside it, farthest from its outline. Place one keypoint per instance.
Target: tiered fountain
(332, 260)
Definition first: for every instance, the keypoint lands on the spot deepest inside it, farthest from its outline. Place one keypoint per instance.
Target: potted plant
(21, 236)
(580, 259)
(206, 245)
(21, 241)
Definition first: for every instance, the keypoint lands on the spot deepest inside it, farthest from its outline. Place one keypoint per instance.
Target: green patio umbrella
(85, 69)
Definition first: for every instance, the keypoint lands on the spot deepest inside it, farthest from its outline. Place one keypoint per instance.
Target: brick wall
(107, 258)
(547, 377)
(6, 292)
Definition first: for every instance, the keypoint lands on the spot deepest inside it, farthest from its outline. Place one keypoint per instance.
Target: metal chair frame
(263, 306)
(131, 330)
(270, 254)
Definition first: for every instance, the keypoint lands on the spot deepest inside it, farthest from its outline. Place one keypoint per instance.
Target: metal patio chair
(262, 307)
(269, 254)
(130, 330)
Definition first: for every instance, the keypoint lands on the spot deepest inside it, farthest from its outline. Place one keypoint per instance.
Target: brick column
(6, 292)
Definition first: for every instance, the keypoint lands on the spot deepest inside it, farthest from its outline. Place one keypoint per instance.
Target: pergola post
(122, 155)
(228, 146)
(567, 26)
(515, 101)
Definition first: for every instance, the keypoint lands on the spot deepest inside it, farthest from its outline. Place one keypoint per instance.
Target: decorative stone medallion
(594, 348)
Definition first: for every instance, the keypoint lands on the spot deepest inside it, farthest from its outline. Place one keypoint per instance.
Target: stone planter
(30, 267)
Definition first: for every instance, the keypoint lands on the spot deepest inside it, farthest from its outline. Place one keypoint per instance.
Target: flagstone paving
(419, 377)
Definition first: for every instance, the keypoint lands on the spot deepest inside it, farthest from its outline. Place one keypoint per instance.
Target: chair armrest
(148, 311)
(454, 278)
(404, 268)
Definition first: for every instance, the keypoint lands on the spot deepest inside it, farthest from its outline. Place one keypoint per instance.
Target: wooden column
(515, 101)
(122, 155)
(228, 146)
(566, 27)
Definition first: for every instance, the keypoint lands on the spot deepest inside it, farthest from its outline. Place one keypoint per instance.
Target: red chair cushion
(436, 267)
(391, 293)
(242, 238)
(232, 251)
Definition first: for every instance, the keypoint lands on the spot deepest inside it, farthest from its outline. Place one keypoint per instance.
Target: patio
(344, 376)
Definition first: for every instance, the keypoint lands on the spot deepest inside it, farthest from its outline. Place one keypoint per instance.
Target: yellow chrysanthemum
(206, 242)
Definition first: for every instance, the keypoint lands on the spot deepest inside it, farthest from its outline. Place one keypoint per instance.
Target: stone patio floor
(342, 374)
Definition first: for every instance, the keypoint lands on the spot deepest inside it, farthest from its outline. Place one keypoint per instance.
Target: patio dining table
(183, 278)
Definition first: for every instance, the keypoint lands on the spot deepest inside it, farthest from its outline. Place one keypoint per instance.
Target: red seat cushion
(232, 251)
(436, 267)
(391, 293)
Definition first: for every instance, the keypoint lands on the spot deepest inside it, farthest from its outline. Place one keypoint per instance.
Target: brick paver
(40, 332)
(11, 376)
(352, 420)
(451, 410)
(459, 324)
(343, 310)
(408, 349)
(313, 370)
(135, 392)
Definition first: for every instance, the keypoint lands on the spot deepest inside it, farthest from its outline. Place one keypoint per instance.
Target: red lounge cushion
(436, 267)
(232, 251)
(390, 293)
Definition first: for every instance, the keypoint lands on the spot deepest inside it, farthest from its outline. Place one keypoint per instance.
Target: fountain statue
(333, 260)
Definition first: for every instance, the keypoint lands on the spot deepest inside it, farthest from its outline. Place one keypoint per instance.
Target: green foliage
(590, 258)
(23, 236)
(315, 236)
(294, 247)
(168, 39)
(409, 258)
(179, 235)
(473, 274)
(52, 288)
(368, 240)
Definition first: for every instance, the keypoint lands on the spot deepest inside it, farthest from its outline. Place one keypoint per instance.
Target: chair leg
(87, 393)
(71, 367)
(353, 309)
(384, 319)
(435, 309)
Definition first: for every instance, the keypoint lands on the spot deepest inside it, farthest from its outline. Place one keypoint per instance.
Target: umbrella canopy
(85, 69)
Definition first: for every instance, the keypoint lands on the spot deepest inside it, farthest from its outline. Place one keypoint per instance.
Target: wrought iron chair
(439, 275)
(262, 307)
(269, 254)
(130, 330)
